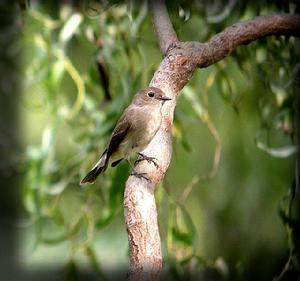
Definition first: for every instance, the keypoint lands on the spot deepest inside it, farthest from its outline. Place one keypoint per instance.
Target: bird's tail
(96, 171)
(92, 175)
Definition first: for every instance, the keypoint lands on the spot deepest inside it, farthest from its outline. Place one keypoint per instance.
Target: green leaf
(57, 188)
(186, 260)
(281, 152)
(95, 262)
(106, 217)
(64, 236)
(182, 237)
(118, 183)
(191, 96)
(280, 94)
(47, 140)
(56, 73)
(33, 153)
(188, 222)
(70, 27)
(115, 196)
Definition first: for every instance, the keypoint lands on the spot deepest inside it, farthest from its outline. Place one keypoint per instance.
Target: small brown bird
(134, 131)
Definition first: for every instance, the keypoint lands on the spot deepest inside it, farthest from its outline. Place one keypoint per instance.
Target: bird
(134, 130)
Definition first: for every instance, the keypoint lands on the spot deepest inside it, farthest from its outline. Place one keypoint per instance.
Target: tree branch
(242, 33)
(180, 62)
(163, 26)
(139, 200)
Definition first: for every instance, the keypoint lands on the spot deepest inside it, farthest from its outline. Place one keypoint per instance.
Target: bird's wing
(118, 135)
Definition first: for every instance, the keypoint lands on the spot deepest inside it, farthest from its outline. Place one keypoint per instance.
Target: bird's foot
(139, 175)
(143, 157)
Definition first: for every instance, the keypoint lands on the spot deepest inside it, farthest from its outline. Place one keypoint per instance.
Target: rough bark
(180, 61)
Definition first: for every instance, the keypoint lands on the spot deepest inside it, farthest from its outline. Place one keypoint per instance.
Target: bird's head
(149, 96)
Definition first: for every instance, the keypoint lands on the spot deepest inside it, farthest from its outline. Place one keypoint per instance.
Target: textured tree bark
(180, 61)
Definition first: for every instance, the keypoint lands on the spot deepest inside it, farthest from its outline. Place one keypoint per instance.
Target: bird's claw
(143, 157)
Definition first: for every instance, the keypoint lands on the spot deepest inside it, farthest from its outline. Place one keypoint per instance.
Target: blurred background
(228, 204)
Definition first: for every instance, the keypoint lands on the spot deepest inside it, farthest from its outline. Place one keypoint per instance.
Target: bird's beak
(163, 98)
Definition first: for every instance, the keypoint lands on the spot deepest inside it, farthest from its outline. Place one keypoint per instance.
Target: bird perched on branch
(134, 130)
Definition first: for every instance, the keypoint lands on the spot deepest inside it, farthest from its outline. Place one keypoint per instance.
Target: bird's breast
(147, 125)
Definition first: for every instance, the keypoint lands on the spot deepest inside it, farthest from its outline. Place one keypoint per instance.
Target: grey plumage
(134, 130)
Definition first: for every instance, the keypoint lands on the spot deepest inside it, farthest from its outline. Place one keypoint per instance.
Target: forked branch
(180, 61)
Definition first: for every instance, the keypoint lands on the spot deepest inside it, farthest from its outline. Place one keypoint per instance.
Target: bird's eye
(151, 94)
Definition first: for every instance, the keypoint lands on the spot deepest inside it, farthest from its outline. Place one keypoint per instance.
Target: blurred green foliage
(233, 153)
